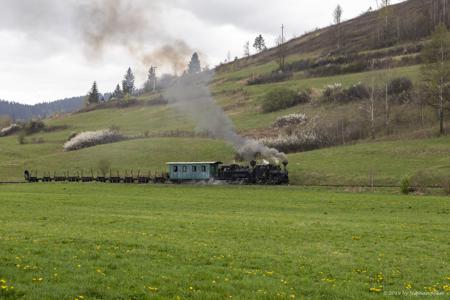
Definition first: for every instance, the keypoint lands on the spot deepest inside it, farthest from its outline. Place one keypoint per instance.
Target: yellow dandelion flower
(446, 288)
(408, 286)
(99, 271)
(375, 290)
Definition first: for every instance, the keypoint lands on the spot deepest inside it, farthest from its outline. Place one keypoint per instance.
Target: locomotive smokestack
(285, 163)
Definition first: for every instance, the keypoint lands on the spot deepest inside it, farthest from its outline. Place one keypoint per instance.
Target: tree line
(128, 87)
(24, 112)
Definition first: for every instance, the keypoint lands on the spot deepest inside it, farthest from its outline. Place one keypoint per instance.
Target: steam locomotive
(255, 174)
(183, 172)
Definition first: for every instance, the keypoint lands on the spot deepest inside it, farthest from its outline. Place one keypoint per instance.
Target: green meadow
(93, 241)
(386, 162)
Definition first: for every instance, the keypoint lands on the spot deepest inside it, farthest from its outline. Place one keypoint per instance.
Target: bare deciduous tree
(436, 73)
(337, 18)
(247, 49)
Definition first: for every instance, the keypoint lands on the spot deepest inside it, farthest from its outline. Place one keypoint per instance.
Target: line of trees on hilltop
(23, 112)
(127, 87)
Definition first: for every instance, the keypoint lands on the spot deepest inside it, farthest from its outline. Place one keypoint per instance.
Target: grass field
(66, 241)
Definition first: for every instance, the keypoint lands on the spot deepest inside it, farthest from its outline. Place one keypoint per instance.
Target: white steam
(192, 97)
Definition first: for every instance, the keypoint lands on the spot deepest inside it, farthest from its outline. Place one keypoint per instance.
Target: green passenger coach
(185, 171)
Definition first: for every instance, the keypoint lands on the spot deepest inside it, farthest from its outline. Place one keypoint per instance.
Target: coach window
(203, 169)
(184, 169)
(175, 169)
(194, 169)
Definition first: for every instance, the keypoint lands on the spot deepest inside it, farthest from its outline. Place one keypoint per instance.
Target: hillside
(412, 19)
(18, 111)
(158, 132)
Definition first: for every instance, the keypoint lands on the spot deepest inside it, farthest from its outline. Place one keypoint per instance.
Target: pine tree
(259, 44)
(128, 83)
(150, 84)
(117, 92)
(194, 64)
(94, 96)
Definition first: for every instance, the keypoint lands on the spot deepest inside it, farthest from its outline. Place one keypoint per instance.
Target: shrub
(282, 98)
(357, 92)
(335, 93)
(331, 92)
(399, 85)
(13, 128)
(327, 70)
(21, 137)
(93, 138)
(405, 185)
(297, 66)
(55, 128)
(293, 143)
(34, 126)
(276, 76)
(303, 96)
(290, 120)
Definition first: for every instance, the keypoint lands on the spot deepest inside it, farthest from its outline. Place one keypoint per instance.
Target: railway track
(152, 182)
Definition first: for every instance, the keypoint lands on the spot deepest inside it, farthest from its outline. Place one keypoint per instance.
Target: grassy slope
(387, 162)
(145, 242)
(243, 107)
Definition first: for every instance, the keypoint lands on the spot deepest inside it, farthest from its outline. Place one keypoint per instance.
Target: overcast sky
(52, 49)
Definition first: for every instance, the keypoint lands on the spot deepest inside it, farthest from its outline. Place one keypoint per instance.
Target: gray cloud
(42, 35)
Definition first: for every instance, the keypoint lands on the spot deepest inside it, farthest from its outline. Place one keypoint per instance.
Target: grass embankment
(386, 162)
(61, 241)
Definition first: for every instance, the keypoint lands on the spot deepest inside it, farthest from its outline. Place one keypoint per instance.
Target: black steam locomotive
(254, 174)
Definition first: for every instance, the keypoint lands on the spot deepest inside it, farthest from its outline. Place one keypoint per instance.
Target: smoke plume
(124, 23)
(191, 96)
(174, 55)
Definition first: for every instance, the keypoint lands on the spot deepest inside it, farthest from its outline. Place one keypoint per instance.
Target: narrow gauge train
(185, 172)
